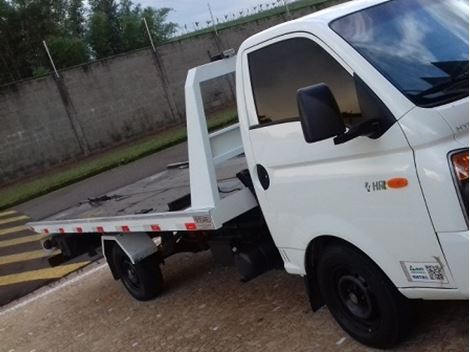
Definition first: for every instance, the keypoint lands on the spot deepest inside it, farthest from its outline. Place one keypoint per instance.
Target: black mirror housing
(319, 113)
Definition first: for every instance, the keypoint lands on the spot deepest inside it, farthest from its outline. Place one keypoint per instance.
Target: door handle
(263, 176)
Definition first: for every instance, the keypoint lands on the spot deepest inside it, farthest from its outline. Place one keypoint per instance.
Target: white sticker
(424, 272)
(204, 222)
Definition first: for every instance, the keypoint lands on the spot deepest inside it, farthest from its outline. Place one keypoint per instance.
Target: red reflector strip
(46, 231)
(191, 226)
(100, 229)
(79, 230)
(155, 228)
(61, 230)
(125, 229)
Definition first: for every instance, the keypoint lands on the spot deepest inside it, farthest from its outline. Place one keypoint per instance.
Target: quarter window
(277, 71)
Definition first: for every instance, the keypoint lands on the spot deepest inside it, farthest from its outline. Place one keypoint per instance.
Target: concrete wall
(48, 121)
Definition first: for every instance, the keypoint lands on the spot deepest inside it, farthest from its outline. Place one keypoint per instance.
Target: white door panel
(326, 189)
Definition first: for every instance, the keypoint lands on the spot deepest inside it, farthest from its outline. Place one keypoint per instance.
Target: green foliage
(105, 32)
(73, 34)
(99, 34)
(160, 29)
(40, 71)
(68, 51)
(75, 22)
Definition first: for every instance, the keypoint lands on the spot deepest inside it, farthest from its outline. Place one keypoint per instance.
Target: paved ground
(204, 308)
(23, 263)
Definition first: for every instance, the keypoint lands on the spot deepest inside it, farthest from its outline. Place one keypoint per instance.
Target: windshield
(421, 46)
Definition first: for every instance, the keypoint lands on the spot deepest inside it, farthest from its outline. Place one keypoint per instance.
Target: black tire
(361, 298)
(143, 280)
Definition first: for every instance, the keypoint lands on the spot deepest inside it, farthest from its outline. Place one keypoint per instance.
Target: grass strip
(29, 189)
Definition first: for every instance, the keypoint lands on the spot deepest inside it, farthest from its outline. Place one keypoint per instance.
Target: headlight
(459, 161)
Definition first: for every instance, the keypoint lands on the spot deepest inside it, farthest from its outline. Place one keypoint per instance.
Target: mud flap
(313, 292)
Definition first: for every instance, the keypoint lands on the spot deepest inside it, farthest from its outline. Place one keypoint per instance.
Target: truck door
(307, 190)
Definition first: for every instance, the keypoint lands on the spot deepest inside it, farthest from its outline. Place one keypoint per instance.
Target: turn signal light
(460, 165)
(460, 162)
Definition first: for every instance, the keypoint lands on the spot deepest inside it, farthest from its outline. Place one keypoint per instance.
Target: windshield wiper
(455, 82)
(455, 85)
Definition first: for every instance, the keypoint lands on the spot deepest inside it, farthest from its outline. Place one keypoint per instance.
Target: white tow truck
(351, 156)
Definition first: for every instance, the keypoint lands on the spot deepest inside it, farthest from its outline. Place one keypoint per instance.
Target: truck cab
(354, 122)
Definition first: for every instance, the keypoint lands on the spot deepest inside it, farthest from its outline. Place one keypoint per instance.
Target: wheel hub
(131, 274)
(355, 296)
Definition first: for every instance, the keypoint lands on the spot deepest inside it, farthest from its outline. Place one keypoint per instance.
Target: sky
(190, 11)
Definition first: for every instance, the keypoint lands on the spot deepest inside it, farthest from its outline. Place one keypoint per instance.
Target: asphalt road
(54, 202)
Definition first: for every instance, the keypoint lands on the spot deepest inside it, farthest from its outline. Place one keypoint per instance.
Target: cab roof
(317, 19)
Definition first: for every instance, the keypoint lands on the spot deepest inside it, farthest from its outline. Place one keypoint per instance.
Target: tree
(75, 23)
(24, 24)
(104, 29)
(160, 29)
(130, 19)
(99, 35)
(68, 51)
(72, 35)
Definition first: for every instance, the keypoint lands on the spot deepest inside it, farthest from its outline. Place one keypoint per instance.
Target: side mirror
(319, 113)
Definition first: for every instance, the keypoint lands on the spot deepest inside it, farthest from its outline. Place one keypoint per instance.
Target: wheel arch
(137, 247)
(315, 246)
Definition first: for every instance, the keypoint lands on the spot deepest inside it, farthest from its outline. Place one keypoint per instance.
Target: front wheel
(143, 280)
(361, 298)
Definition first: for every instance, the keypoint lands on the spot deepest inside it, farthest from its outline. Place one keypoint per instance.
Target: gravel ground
(204, 308)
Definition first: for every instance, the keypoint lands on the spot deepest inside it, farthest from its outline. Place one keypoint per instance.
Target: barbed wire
(233, 16)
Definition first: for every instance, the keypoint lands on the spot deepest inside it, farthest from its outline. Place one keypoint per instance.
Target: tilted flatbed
(216, 195)
(161, 200)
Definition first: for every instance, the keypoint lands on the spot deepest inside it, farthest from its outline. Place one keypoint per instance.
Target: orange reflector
(460, 162)
(398, 182)
(155, 228)
(190, 226)
(125, 229)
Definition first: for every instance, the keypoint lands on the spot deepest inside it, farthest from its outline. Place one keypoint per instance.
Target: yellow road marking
(21, 240)
(41, 274)
(13, 230)
(7, 213)
(15, 219)
(25, 256)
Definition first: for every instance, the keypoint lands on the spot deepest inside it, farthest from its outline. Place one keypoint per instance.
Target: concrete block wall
(46, 122)
(34, 130)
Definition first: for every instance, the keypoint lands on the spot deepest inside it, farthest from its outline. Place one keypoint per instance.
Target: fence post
(68, 106)
(163, 77)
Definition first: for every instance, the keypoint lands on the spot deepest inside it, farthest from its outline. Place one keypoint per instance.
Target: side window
(279, 70)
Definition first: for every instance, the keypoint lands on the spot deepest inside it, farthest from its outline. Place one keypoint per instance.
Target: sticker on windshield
(424, 272)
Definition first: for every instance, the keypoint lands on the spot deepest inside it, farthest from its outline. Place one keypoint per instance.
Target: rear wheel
(144, 279)
(361, 298)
